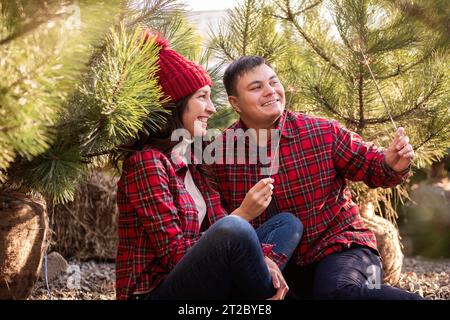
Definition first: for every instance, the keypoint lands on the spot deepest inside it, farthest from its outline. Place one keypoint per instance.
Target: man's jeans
(353, 274)
(227, 261)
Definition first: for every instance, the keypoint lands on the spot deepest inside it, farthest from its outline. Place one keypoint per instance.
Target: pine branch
(152, 10)
(30, 27)
(121, 94)
(219, 45)
(298, 12)
(330, 107)
(291, 17)
(402, 69)
(430, 136)
(406, 113)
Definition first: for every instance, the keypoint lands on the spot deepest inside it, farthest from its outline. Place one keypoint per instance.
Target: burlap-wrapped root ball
(388, 241)
(23, 241)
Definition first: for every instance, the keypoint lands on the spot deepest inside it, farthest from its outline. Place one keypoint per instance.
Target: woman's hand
(277, 279)
(256, 200)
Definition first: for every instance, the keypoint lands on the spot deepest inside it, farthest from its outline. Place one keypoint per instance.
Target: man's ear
(233, 100)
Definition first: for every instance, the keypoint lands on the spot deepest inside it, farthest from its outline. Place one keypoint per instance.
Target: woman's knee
(234, 227)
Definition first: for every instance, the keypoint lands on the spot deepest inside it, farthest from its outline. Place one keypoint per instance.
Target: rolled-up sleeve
(358, 160)
(278, 258)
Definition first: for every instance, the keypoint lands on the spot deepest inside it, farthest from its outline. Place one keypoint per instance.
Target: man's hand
(400, 153)
(277, 279)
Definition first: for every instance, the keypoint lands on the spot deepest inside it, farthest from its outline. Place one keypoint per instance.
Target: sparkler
(367, 63)
(291, 91)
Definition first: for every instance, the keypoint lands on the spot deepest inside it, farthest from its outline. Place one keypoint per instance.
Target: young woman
(175, 239)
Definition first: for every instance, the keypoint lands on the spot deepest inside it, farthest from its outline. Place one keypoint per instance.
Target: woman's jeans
(228, 262)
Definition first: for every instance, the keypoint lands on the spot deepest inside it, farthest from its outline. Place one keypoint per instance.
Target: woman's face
(199, 109)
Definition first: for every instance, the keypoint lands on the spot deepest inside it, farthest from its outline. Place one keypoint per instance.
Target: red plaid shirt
(158, 220)
(316, 157)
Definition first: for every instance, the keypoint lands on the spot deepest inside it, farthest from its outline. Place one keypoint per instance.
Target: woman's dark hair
(160, 139)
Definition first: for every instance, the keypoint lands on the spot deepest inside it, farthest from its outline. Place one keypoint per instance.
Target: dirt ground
(95, 281)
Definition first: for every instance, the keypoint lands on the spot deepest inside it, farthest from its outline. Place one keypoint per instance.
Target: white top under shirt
(196, 195)
(189, 183)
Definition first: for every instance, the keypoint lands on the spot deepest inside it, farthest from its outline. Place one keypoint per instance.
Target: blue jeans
(227, 261)
(284, 231)
(353, 274)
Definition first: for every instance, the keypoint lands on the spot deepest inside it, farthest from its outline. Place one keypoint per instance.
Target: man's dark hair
(237, 69)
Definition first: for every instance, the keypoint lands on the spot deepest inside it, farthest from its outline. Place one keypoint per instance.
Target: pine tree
(323, 59)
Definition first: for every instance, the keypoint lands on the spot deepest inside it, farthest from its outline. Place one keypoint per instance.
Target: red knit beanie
(178, 76)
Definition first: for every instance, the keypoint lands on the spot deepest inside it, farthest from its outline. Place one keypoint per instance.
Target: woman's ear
(234, 103)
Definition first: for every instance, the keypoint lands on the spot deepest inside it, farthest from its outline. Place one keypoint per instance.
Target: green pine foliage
(118, 96)
(43, 50)
(249, 28)
(122, 91)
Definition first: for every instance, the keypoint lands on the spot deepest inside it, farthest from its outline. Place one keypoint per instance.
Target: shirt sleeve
(358, 160)
(148, 191)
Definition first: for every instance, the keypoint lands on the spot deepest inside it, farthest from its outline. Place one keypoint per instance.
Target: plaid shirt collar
(178, 158)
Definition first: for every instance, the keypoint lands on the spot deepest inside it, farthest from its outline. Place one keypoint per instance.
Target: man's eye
(254, 88)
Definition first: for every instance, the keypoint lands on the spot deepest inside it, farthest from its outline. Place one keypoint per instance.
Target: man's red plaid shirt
(316, 158)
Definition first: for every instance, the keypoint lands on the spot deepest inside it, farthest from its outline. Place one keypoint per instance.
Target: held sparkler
(291, 91)
(366, 62)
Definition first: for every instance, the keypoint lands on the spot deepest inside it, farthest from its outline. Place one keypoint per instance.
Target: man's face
(260, 98)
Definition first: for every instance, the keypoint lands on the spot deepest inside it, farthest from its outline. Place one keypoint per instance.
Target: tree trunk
(23, 240)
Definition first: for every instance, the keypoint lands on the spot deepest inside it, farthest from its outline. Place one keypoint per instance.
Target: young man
(337, 257)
